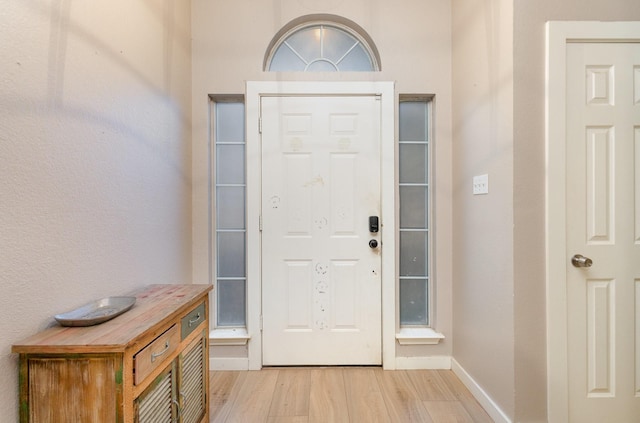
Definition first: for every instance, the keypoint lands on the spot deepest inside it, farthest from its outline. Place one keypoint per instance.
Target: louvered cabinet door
(157, 404)
(149, 365)
(192, 383)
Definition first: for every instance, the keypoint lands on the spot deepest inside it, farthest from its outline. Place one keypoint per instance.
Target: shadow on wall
(112, 75)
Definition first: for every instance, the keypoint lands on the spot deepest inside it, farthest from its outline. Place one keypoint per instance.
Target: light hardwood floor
(341, 394)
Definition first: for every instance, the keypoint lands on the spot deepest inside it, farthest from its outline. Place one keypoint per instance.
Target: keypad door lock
(374, 224)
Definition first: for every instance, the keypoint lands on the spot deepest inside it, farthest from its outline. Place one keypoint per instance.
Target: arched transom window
(322, 43)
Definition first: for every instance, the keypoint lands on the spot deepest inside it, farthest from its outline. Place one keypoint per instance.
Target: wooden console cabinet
(148, 365)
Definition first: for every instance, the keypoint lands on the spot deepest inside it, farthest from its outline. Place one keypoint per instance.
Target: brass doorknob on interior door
(579, 260)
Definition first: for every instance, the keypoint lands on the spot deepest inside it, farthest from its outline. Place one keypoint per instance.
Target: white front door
(603, 225)
(321, 278)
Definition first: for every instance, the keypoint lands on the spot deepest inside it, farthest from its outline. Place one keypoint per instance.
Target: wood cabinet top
(155, 307)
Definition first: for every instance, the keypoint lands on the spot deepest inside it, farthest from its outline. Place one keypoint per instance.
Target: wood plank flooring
(341, 394)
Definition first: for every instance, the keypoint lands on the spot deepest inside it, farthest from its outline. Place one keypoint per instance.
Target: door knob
(581, 261)
(373, 243)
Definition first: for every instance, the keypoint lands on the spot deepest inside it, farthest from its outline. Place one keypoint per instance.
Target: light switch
(481, 184)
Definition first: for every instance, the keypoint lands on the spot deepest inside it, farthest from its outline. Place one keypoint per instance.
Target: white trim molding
(228, 363)
(254, 91)
(231, 336)
(559, 34)
(437, 362)
(418, 336)
(479, 394)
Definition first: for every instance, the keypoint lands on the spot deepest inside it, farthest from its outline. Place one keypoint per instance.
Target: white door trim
(558, 35)
(386, 90)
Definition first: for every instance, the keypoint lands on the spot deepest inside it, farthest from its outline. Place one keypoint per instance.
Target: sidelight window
(229, 213)
(414, 190)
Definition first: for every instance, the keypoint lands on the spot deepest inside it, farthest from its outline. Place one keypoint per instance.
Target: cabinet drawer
(153, 354)
(192, 320)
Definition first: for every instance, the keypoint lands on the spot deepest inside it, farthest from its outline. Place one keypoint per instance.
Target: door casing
(558, 35)
(386, 91)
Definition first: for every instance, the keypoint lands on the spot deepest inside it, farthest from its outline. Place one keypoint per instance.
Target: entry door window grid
(229, 213)
(414, 213)
(322, 48)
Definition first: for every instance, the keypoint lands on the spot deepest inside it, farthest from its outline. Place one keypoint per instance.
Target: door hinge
(261, 326)
(260, 223)
(260, 125)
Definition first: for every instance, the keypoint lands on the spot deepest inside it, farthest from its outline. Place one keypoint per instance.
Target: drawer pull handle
(158, 354)
(178, 409)
(192, 321)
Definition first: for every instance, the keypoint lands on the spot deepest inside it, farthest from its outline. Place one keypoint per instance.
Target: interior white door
(603, 225)
(321, 283)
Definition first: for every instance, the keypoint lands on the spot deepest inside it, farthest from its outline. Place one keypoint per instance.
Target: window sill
(418, 336)
(231, 336)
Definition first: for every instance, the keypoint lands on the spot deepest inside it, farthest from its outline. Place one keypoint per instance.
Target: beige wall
(483, 224)
(414, 41)
(94, 158)
(529, 58)
(499, 294)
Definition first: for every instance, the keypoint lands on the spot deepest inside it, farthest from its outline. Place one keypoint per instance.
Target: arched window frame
(324, 20)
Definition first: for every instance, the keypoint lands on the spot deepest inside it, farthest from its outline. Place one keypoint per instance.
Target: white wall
(414, 41)
(94, 158)
(483, 305)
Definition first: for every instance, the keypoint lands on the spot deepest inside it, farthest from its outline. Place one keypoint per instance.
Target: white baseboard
(483, 398)
(423, 363)
(402, 363)
(225, 363)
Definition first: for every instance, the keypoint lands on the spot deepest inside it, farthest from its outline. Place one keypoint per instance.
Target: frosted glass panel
(231, 303)
(413, 163)
(230, 164)
(356, 61)
(413, 121)
(413, 207)
(285, 59)
(230, 208)
(413, 297)
(336, 43)
(322, 48)
(305, 42)
(229, 217)
(231, 255)
(321, 66)
(413, 253)
(229, 122)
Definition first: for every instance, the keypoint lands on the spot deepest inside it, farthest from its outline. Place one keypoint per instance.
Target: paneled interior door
(603, 231)
(321, 275)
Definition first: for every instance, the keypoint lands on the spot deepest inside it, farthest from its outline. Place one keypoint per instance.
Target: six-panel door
(603, 225)
(320, 273)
